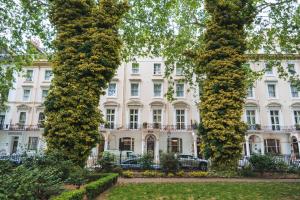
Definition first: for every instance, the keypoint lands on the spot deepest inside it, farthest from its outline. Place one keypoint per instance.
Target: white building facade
(141, 119)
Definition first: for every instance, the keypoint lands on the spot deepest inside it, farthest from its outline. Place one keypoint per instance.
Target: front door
(151, 145)
(15, 143)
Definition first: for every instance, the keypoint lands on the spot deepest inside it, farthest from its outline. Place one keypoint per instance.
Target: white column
(195, 144)
(262, 147)
(247, 148)
(157, 151)
(299, 147)
(105, 143)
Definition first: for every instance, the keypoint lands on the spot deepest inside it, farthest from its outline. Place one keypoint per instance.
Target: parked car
(190, 162)
(135, 164)
(14, 158)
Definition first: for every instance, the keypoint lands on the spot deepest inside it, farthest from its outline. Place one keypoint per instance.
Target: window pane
(112, 90)
(135, 68)
(157, 89)
(157, 69)
(134, 89)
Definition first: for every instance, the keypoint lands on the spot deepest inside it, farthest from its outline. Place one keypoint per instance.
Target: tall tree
(224, 87)
(87, 55)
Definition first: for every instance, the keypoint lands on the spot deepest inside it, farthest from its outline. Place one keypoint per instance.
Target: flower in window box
(156, 125)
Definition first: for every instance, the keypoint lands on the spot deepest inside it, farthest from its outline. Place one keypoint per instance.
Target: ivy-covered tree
(87, 55)
(224, 87)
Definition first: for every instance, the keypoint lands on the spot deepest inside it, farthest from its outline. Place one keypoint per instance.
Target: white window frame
(137, 68)
(176, 90)
(134, 121)
(27, 77)
(253, 93)
(116, 90)
(138, 91)
(30, 143)
(185, 119)
(43, 98)
(156, 72)
(272, 70)
(109, 115)
(252, 126)
(291, 89)
(161, 89)
(177, 71)
(29, 95)
(19, 122)
(294, 116)
(277, 145)
(45, 75)
(157, 115)
(276, 125)
(275, 90)
(294, 66)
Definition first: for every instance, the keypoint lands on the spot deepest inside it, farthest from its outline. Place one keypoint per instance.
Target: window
(22, 118)
(48, 75)
(250, 114)
(112, 90)
(179, 90)
(297, 116)
(133, 118)
(291, 68)
(41, 120)
(250, 93)
(44, 94)
(180, 119)
(157, 69)
(157, 89)
(110, 118)
(135, 68)
(272, 90)
(268, 69)
(157, 119)
(294, 91)
(29, 75)
(174, 145)
(126, 144)
(2, 118)
(26, 94)
(272, 146)
(274, 114)
(179, 70)
(33, 143)
(134, 89)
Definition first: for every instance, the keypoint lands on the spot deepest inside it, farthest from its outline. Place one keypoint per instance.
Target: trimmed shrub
(149, 173)
(127, 174)
(197, 174)
(169, 162)
(71, 195)
(95, 188)
(170, 175)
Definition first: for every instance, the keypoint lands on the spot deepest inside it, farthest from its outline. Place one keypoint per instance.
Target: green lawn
(208, 191)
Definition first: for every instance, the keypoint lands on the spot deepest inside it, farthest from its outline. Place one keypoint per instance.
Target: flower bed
(90, 190)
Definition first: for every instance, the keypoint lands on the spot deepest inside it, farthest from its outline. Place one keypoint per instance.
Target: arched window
(126, 144)
(174, 145)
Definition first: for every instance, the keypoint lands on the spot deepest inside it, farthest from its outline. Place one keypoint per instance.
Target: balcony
(20, 127)
(149, 126)
(272, 128)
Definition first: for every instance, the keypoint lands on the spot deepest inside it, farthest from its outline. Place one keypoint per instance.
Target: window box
(297, 127)
(145, 125)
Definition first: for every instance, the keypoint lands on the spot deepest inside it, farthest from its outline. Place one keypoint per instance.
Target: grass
(207, 191)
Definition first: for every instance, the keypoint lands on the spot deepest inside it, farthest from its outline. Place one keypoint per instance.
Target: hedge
(91, 190)
(71, 195)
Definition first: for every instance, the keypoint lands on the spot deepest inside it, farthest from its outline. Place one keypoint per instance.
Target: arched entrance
(150, 145)
(295, 147)
(255, 145)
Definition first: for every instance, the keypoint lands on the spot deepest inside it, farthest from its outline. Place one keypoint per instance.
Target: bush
(169, 162)
(197, 174)
(149, 173)
(246, 171)
(180, 173)
(71, 195)
(170, 175)
(127, 174)
(107, 161)
(146, 161)
(77, 176)
(93, 189)
(268, 163)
